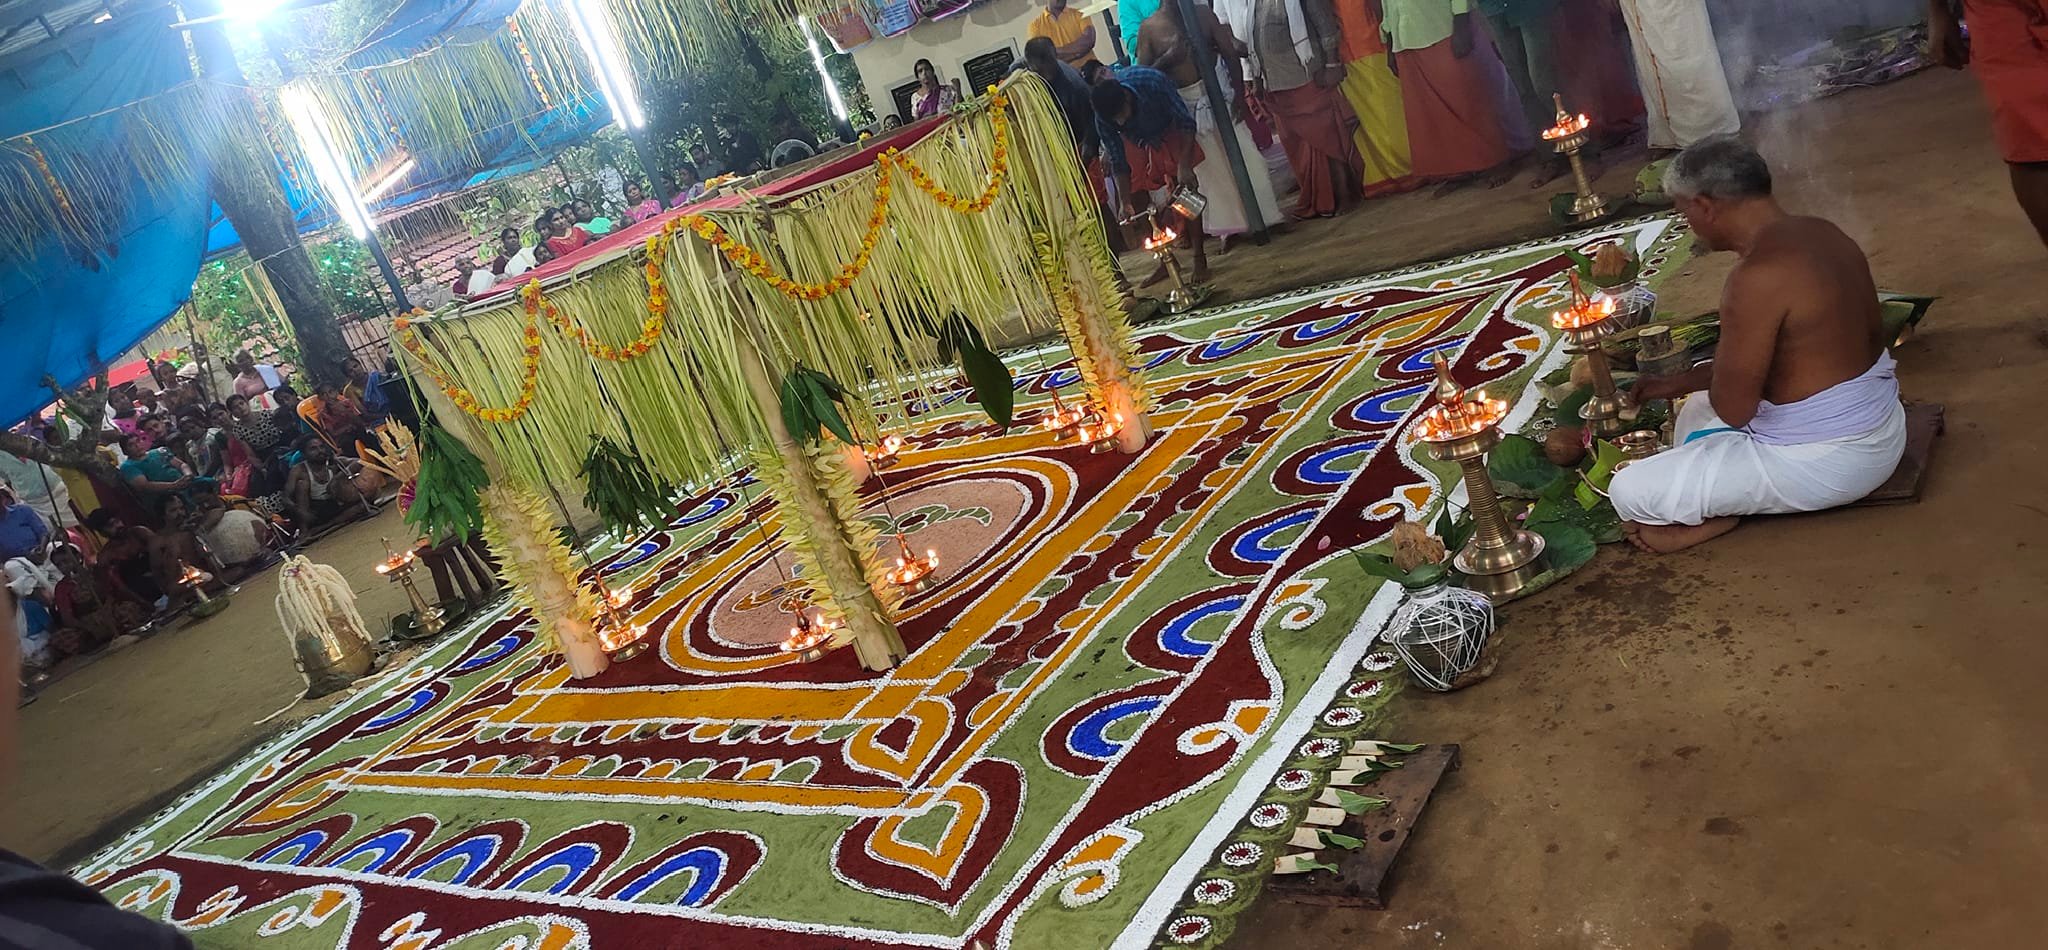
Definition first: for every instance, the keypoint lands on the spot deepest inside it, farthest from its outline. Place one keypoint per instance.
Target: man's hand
(1330, 76)
(179, 483)
(1240, 107)
(1189, 181)
(1461, 35)
(1945, 42)
(1135, 202)
(1649, 388)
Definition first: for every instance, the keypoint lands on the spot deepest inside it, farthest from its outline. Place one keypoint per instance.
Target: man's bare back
(1163, 46)
(1813, 283)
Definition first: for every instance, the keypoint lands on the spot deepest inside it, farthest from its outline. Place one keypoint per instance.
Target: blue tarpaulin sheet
(65, 316)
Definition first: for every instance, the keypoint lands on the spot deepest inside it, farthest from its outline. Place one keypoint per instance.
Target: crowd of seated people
(220, 487)
(558, 231)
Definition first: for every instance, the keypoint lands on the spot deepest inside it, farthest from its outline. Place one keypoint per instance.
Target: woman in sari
(639, 207)
(931, 99)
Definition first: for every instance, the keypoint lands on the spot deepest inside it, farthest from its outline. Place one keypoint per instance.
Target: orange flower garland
(537, 305)
(464, 399)
(999, 164)
(753, 262)
(650, 329)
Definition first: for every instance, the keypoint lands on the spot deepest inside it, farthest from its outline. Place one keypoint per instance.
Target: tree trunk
(80, 452)
(247, 191)
(244, 184)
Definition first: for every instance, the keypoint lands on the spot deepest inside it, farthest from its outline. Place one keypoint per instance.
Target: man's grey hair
(1721, 167)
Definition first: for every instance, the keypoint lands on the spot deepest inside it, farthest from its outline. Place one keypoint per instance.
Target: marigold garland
(650, 329)
(407, 337)
(537, 305)
(753, 262)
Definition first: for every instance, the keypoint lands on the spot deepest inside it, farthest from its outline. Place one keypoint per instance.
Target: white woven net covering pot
(1440, 632)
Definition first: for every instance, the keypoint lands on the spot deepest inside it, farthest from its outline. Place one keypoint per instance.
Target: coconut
(1564, 447)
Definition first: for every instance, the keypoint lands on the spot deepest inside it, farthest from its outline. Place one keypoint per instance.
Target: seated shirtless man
(1799, 411)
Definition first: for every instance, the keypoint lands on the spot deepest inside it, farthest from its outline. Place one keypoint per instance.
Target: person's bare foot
(1157, 276)
(1501, 174)
(1672, 538)
(1452, 185)
(1547, 172)
(1224, 242)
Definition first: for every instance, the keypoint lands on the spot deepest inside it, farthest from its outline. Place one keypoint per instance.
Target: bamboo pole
(875, 639)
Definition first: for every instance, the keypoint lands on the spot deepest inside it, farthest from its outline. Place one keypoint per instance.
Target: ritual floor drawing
(1122, 657)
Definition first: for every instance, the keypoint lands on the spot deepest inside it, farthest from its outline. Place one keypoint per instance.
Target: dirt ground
(1819, 731)
(131, 729)
(1816, 732)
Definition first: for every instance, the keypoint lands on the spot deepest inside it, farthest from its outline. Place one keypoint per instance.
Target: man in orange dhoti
(1451, 90)
(1295, 63)
(2008, 45)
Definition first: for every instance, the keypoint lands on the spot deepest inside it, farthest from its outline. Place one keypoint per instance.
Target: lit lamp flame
(883, 453)
(398, 561)
(195, 579)
(1582, 314)
(809, 634)
(616, 632)
(1463, 419)
(1062, 420)
(912, 570)
(1161, 237)
(1566, 127)
(1097, 430)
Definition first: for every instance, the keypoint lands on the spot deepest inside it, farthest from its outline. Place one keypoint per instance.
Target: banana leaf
(1584, 265)
(1606, 455)
(1900, 314)
(992, 386)
(1566, 547)
(1519, 468)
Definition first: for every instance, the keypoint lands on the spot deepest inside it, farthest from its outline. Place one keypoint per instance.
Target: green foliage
(960, 342)
(1901, 312)
(1332, 839)
(1519, 467)
(444, 503)
(1606, 455)
(1584, 265)
(1566, 547)
(229, 316)
(1356, 804)
(1567, 413)
(1561, 503)
(349, 276)
(1382, 566)
(622, 491)
(810, 401)
(1454, 528)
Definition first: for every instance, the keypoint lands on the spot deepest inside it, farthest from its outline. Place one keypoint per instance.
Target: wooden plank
(1362, 879)
(1924, 423)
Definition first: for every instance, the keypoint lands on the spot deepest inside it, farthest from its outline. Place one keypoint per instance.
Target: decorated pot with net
(1440, 630)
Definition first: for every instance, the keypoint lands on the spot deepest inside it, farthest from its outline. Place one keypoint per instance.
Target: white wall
(887, 61)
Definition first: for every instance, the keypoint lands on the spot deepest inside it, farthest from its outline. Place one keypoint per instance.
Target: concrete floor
(1816, 732)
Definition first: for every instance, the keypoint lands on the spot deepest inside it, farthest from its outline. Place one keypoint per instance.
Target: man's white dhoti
(1729, 472)
(1225, 213)
(1684, 85)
